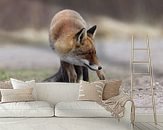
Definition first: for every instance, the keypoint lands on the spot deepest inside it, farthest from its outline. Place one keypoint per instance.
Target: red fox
(74, 44)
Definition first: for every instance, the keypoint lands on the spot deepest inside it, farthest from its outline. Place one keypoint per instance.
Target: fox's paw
(101, 75)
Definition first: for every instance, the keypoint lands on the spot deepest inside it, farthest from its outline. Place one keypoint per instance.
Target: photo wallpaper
(73, 40)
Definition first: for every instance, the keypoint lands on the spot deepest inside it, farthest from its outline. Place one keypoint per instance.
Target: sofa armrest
(126, 120)
(127, 112)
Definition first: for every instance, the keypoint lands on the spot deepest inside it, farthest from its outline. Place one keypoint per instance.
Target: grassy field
(37, 74)
(26, 74)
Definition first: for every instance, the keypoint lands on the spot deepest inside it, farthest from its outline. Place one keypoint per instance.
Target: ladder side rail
(131, 66)
(151, 81)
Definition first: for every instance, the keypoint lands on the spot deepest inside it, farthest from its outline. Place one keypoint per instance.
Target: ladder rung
(141, 73)
(140, 62)
(140, 49)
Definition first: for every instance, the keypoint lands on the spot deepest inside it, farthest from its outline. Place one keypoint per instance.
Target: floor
(73, 124)
(148, 126)
(64, 124)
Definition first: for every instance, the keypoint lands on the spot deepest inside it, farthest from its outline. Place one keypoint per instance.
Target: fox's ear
(92, 31)
(80, 35)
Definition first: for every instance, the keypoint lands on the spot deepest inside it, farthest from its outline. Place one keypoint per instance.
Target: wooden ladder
(149, 73)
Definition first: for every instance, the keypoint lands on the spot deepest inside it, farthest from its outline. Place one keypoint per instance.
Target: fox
(74, 44)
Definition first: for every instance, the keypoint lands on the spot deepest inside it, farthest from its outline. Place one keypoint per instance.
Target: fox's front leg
(71, 73)
(100, 74)
(72, 76)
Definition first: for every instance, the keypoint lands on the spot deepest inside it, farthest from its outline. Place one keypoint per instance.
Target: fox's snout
(96, 67)
(91, 66)
(99, 68)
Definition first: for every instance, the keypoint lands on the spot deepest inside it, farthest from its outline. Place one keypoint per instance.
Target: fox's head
(83, 52)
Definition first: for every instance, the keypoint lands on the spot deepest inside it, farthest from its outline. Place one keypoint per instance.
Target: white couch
(66, 94)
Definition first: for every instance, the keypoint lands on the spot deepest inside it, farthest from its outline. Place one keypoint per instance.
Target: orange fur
(63, 27)
(71, 40)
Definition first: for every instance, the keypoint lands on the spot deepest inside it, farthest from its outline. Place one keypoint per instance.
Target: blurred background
(24, 46)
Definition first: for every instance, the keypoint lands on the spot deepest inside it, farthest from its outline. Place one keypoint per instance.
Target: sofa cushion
(16, 95)
(26, 109)
(18, 84)
(80, 109)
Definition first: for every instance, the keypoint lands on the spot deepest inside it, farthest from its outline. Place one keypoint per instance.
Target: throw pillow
(91, 91)
(5, 85)
(16, 95)
(18, 84)
(111, 88)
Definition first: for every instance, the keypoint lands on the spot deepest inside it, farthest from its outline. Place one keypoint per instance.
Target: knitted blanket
(116, 105)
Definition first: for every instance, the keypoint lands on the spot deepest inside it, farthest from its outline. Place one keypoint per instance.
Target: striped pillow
(16, 95)
(5, 85)
(91, 91)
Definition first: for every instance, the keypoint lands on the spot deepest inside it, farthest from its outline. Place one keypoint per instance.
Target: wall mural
(80, 50)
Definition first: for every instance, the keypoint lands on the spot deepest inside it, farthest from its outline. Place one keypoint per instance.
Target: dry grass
(25, 36)
(107, 28)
